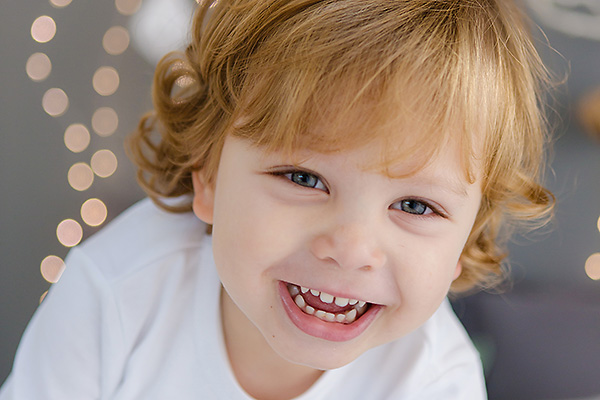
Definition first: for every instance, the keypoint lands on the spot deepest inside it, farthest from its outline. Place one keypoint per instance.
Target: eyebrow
(456, 188)
(444, 184)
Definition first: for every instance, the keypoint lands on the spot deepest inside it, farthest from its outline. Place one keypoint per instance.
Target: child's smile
(324, 315)
(321, 258)
(325, 306)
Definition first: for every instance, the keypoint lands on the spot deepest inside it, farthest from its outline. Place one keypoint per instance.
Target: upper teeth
(345, 317)
(329, 298)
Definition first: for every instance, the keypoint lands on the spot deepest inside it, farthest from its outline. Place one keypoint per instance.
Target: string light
(69, 232)
(106, 81)
(592, 266)
(105, 121)
(60, 3)
(80, 176)
(55, 102)
(93, 212)
(128, 7)
(77, 138)
(104, 163)
(52, 268)
(43, 29)
(115, 40)
(38, 67)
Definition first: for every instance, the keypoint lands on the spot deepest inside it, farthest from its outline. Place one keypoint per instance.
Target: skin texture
(350, 235)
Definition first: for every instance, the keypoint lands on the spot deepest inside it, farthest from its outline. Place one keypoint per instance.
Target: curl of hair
(270, 70)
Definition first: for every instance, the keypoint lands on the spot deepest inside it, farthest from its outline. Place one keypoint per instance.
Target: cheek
(427, 270)
(250, 228)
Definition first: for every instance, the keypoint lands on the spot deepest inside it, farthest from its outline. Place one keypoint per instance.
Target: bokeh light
(592, 266)
(104, 163)
(55, 102)
(106, 81)
(60, 3)
(69, 233)
(43, 296)
(77, 138)
(43, 29)
(52, 268)
(38, 67)
(115, 40)
(184, 81)
(80, 176)
(105, 121)
(94, 212)
(598, 224)
(128, 7)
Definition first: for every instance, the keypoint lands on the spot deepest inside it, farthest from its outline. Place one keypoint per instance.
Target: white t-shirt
(136, 316)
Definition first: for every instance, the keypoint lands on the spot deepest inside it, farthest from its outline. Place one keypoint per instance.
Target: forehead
(399, 152)
(399, 119)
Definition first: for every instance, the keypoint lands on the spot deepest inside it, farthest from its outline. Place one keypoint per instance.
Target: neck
(259, 370)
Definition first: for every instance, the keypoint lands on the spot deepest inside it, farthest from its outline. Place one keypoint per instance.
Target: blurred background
(75, 78)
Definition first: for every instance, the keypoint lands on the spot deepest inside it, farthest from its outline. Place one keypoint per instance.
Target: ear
(457, 271)
(204, 197)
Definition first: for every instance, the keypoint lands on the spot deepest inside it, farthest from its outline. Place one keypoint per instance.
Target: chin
(317, 358)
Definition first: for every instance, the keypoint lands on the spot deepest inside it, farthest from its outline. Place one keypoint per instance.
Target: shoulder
(444, 331)
(452, 364)
(140, 236)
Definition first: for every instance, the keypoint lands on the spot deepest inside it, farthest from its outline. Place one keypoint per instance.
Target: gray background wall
(540, 341)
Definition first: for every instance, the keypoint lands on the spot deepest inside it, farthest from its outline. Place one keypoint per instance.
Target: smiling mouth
(327, 307)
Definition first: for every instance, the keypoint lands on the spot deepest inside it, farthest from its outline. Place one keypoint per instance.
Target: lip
(331, 331)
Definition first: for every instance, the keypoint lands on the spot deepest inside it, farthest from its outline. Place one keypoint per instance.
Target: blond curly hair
(336, 74)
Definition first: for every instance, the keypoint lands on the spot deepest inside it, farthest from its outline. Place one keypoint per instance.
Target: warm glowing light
(106, 81)
(128, 7)
(599, 224)
(43, 296)
(105, 121)
(60, 3)
(116, 40)
(52, 268)
(77, 138)
(104, 163)
(43, 29)
(38, 67)
(69, 233)
(184, 81)
(94, 212)
(80, 176)
(592, 266)
(55, 102)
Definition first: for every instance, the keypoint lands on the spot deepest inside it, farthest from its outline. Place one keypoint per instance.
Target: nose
(349, 247)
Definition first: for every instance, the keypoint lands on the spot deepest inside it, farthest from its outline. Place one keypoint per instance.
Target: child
(355, 159)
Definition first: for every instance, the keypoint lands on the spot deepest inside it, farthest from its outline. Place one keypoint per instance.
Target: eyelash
(434, 212)
(288, 174)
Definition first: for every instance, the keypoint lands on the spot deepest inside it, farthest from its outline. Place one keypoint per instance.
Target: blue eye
(304, 179)
(412, 206)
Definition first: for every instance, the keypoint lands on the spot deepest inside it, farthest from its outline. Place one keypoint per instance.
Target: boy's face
(327, 223)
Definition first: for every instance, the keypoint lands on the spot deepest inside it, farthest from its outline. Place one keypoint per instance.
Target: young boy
(355, 160)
